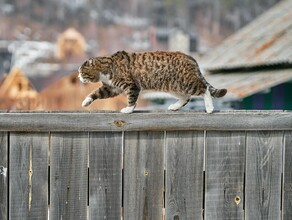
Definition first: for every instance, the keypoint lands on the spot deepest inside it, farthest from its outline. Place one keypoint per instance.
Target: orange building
(70, 45)
(18, 93)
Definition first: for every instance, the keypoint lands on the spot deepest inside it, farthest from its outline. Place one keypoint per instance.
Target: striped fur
(172, 72)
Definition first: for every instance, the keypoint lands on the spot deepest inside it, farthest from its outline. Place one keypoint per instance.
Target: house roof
(267, 41)
(16, 84)
(56, 73)
(256, 58)
(241, 85)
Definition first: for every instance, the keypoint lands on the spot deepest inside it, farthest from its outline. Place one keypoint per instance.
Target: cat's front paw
(87, 101)
(128, 109)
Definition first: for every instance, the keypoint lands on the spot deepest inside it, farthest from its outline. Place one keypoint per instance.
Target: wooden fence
(146, 165)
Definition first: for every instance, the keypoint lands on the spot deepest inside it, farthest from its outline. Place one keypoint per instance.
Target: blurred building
(74, 4)
(5, 58)
(184, 41)
(18, 93)
(71, 46)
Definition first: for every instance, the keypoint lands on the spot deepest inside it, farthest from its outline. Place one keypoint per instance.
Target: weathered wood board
(287, 179)
(184, 175)
(28, 173)
(69, 175)
(225, 164)
(145, 121)
(105, 175)
(3, 175)
(146, 165)
(263, 175)
(143, 175)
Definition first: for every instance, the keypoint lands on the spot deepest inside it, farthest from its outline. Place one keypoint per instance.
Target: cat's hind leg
(208, 101)
(128, 109)
(182, 101)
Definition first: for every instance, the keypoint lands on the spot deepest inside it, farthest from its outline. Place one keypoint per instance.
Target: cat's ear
(90, 62)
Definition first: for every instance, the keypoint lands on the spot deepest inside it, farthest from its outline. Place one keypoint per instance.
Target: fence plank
(105, 175)
(184, 175)
(143, 175)
(263, 174)
(287, 186)
(225, 154)
(69, 175)
(112, 121)
(3, 175)
(28, 164)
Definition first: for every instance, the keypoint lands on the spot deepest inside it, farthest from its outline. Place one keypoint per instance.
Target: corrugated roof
(241, 85)
(265, 41)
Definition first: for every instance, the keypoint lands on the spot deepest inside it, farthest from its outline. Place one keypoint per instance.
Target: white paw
(209, 109)
(174, 107)
(87, 101)
(208, 101)
(128, 109)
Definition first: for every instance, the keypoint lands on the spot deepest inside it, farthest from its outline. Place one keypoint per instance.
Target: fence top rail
(141, 121)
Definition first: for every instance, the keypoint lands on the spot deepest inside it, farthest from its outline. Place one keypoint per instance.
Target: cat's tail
(217, 93)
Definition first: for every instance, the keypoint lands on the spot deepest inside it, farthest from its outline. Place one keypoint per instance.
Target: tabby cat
(172, 72)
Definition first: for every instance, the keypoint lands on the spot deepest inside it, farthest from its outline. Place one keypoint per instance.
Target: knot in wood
(119, 123)
(176, 217)
(237, 200)
(146, 173)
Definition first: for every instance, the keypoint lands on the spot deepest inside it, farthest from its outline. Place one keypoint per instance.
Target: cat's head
(90, 70)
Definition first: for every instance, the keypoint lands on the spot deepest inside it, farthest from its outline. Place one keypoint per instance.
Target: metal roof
(265, 41)
(241, 85)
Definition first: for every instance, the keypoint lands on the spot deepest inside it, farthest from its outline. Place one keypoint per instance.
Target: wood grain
(111, 121)
(105, 175)
(263, 175)
(225, 154)
(126, 175)
(3, 175)
(184, 175)
(287, 185)
(69, 175)
(28, 173)
(143, 175)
